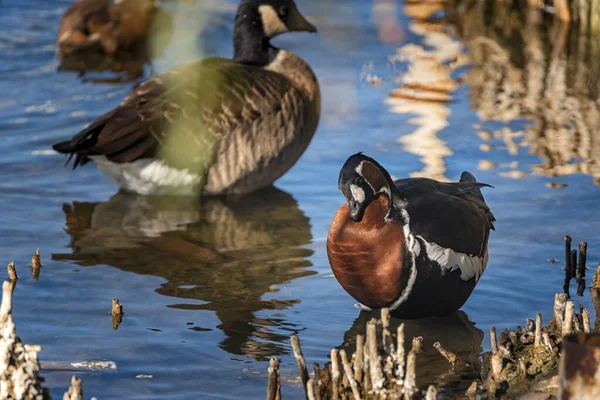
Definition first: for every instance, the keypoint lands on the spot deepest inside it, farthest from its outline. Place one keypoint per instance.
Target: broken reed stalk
(387, 336)
(377, 379)
(431, 393)
(410, 380)
(317, 379)
(35, 260)
(568, 267)
(310, 389)
(335, 374)
(273, 385)
(12, 272)
(348, 370)
(560, 303)
(567, 327)
(538, 331)
(585, 316)
(580, 277)
(359, 358)
(400, 355)
(417, 344)
(300, 360)
(117, 308)
(448, 355)
(75, 391)
(493, 340)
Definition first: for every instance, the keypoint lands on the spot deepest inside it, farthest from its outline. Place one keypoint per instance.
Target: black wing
(452, 215)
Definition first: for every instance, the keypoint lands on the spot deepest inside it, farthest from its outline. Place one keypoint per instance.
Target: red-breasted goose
(417, 246)
(213, 126)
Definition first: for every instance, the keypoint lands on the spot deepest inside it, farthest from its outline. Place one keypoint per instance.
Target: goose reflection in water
(456, 333)
(226, 252)
(125, 65)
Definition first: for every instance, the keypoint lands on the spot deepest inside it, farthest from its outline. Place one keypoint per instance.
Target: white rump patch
(272, 24)
(470, 266)
(148, 176)
(358, 193)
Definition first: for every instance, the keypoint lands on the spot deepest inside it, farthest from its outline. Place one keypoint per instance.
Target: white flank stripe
(470, 266)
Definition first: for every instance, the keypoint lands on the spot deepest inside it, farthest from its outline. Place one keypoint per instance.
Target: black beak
(296, 22)
(356, 210)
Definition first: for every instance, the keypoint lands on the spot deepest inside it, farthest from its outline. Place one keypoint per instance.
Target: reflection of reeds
(426, 87)
(526, 64)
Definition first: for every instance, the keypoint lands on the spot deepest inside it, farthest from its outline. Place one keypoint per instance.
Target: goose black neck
(250, 45)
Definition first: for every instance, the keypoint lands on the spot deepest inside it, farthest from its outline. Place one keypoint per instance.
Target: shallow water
(211, 291)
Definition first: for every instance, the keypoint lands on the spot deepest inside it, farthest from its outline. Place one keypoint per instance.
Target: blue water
(212, 291)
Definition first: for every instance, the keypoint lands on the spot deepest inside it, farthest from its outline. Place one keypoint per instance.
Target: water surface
(212, 290)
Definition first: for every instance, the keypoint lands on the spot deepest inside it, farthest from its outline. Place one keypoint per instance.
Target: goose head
(273, 17)
(259, 21)
(362, 180)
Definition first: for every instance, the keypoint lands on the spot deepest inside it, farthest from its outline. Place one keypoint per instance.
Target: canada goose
(212, 126)
(417, 246)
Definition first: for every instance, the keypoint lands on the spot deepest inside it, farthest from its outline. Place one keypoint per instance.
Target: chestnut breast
(367, 257)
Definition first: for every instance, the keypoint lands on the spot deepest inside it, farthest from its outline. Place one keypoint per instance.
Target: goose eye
(359, 180)
(283, 11)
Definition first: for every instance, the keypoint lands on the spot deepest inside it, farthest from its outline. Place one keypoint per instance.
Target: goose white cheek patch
(272, 24)
(357, 193)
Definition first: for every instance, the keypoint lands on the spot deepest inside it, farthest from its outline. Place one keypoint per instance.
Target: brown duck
(417, 246)
(212, 126)
(104, 26)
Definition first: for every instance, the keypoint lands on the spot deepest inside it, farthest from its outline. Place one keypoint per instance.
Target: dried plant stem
(493, 340)
(538, 331)
(335, 374)
(400, 355)
(410, 381)
(310, 389)
(567, 327)
(377, 379)
(573, 263)
(75, 391)
(348, 370)
(359, 358)
(431, 393)
(560, 302)
(581, 268)
(568, 267)
(317, 380)
(300, 360)
(117, 308)
(273, 385)
(585, 316)
(417, 344)
(12, 272)
(448, 355)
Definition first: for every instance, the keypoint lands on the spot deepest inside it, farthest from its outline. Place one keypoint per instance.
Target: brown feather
(367, 257)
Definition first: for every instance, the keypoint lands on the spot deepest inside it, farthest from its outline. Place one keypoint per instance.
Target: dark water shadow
(127, 65)
(456, 333)
(224, 255)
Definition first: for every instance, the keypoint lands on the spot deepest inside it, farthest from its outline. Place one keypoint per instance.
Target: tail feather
(466, 176)
(65, 147)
